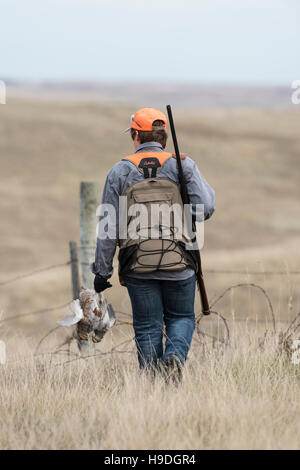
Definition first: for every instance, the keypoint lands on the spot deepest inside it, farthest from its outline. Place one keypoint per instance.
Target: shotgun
(186, 200)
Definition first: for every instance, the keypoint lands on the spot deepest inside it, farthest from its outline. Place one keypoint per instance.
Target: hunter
(158, 272)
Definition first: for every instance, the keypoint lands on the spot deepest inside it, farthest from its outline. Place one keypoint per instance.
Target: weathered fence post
(74, 269)
(89, 201)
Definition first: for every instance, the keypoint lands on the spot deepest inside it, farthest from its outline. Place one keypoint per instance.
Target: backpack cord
(171, 247)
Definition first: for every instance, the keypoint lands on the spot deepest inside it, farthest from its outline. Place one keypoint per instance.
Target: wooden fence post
(74, 270)
(89, 201)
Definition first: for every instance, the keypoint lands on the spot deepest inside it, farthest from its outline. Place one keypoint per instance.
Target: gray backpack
(155, 223)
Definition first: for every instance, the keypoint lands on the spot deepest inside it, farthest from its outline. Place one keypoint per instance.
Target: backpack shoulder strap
(145, 161)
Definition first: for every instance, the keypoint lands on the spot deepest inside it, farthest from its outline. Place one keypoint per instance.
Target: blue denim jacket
(122, 175)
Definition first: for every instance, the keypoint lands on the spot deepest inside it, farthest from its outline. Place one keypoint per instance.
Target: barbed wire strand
(207, 271)
(254, 273)
(37, 312)
(32, 273)
(100, 353)
(44, 337)
(255, 286)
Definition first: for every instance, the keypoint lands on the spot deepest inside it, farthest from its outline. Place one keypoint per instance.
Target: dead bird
(92, 315)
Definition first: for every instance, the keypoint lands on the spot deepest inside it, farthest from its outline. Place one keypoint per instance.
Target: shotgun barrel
(186, 200)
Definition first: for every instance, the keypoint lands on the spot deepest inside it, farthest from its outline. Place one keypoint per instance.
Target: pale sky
(204, 41)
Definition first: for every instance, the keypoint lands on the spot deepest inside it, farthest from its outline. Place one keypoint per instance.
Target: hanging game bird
(92, 315)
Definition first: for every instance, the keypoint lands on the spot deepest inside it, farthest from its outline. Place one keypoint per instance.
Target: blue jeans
(155, 303)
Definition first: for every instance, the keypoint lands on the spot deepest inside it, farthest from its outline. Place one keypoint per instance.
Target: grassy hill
(250, 156)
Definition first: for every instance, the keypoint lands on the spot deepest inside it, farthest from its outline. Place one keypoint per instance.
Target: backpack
(157, 243)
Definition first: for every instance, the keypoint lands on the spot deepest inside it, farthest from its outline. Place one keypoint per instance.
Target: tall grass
(241, 397)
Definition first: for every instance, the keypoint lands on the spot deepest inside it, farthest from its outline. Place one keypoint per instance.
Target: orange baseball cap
(143, 119)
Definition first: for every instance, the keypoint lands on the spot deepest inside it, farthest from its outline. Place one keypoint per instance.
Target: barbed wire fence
(89, 196)
(71, 262)
(225, 340)
(206, 271)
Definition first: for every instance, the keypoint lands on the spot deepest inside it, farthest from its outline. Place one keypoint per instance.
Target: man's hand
(101, 283)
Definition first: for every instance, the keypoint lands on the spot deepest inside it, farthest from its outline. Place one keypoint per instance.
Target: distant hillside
(149, 94)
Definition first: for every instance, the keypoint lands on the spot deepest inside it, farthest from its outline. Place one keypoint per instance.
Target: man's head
(148, 125)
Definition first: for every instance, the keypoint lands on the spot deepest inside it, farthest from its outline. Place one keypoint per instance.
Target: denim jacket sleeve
(106, 247)
(199, 191)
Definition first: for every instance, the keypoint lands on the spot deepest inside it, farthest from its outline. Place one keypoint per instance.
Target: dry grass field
(233, 398)
(242, 396)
